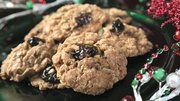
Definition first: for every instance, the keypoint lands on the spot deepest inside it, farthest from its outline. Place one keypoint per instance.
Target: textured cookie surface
(71, 18)
(27, 59)
(129, 39)
(82, 47)
(86, 67)
(114, 13)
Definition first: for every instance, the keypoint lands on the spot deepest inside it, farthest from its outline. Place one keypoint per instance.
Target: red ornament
(139, 76)
(128, 98)
(177, 36)
(165, 48)
(154, 55)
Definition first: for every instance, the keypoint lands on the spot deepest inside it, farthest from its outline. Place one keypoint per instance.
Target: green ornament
(78, 1)
(142, 18)
(159, 51)
(166, 92)
(134, 82)
(159, 74)
(150, 60)
(29, 4)
(142, 71)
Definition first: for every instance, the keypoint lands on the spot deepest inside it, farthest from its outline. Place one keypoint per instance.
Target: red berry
(166, 48)
(177, 36)
(139, 76)
(128, 98)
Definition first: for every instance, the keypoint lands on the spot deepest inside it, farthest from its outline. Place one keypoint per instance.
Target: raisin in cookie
(86, 67)
(70, 18)
(46, 79)
(27, 59)
(131, 40)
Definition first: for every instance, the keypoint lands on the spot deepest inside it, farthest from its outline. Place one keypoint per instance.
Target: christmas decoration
(170, 89)
(167, 9)
(176, 48)
(166, 92)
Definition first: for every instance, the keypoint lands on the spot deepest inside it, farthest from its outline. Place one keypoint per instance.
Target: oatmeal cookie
(27, 59)
(131, 40)
(86, 67)
(68, 19)
(72, 48)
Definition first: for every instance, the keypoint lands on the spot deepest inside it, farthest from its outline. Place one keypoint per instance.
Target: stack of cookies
(82, 47)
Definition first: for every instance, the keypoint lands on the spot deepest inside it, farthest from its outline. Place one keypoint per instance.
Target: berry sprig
(169, 10)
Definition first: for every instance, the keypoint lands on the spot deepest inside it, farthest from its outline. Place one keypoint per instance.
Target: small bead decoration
(139, 76)
(159, 74)
(128, 98)
(134, 82)
(29, 4)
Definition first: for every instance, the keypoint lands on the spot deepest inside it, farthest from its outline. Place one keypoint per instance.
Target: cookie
(27, 59)
(83, 66)
(68, 19)
(114, 13)
(131, 40)
(82, 47)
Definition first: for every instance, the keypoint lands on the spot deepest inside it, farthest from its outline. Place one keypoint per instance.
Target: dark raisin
(117, 27)
(33, 41)
(49, 75)
(83, 19)
(78, 54)
(90, 50)
(85, 51)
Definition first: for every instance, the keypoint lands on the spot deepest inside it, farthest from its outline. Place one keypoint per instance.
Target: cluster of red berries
(169, 10)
